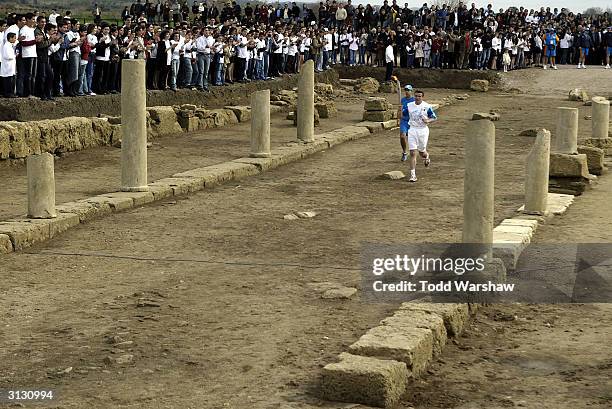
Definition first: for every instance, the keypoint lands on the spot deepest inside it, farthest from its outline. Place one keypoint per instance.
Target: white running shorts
(417, 138)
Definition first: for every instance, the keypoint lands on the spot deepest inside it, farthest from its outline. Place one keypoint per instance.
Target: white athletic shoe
(584, 66)
(427, 161)
(545, 67)
(413, 178)
(579, 65)
(554, 67)
(608, 67)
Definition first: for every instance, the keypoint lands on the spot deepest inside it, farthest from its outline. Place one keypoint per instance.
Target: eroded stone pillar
(478, 186)
(305, 108)
(536, 174)
(565, 139)
(41, 186)
(260, 124)
(600, 117)
(133, 126)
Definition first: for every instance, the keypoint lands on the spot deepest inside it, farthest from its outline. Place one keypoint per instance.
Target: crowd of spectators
(200, 45)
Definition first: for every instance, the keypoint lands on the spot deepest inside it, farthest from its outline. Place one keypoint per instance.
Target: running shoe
(427, 161)
(404, 156)
(413, 178)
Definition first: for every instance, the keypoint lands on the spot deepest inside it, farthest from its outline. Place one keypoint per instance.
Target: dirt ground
(212, 301)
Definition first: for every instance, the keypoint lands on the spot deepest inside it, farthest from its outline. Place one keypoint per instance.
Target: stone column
(260, 124)
(133, 126)
(305, 108)
(565, 140)
(41, 186)
(478, 186)
(600, 117)
(536, 175)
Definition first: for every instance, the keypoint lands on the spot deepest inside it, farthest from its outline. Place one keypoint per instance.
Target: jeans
(220, 74)
(326, 59)
(259, 74)
(435, 59)
(174, 68)
(266, 65)
(82, 81)
(352, 57)
(187, 72)
(89, 70)
(484, 58)
(203, 66)
(195, 72)
(362, 51)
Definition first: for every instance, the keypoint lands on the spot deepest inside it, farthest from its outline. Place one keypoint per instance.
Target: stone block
(566, 165)
(139, 198)
(578, 94)
(421, 319)
(262, 164)
(164, 121)
(569, 185)
(377, 104)
(367, 85)
(189, 124)
(602, 143)
(6, 246)
(62, 222)
(345, 134)
(413, 346)
(243, 113)
(85, 210)
(533, 224)
(161, 191)
(455, 316)
(389, 87)
(595, 159)
(326, 109)
(180, 185)
(372, 126)
(116, 203)
(377, 116)
(492, 116)
(508, 252)
(287, 154)
(479, 85)
(390, 124)
(364, 380)
(393, 175)
(25, 232)
(324, 89)
(514, 229)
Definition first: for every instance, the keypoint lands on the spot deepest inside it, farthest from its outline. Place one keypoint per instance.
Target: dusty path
(216, 334)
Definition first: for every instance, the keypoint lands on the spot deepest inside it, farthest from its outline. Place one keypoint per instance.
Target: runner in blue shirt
(404, 118)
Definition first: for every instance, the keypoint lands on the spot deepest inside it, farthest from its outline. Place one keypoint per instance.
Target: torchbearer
(420, 114)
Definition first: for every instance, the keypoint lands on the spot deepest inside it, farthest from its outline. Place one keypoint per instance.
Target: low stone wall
(24, 109)
(421, 78)
(21, 139)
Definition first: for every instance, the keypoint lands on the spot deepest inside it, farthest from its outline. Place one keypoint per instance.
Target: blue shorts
(551, 52)
(609, 50)
(404, 126)
(585, 51)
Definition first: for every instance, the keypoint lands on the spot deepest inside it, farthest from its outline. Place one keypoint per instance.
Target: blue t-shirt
(405, 114)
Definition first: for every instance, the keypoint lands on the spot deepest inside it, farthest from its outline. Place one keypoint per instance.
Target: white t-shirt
(53, 18)
(72, 36)
(328, 38)
(243, 52)
(106, 55)
(418, 113)
(259, 45)
(389, 57)
(279, 41)
(30, 50)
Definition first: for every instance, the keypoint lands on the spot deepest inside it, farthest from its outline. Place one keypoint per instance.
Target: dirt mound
(423, 78)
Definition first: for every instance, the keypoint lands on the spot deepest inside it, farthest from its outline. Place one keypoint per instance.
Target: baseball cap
(408, 87)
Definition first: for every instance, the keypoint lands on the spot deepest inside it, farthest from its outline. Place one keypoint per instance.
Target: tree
(593, 11)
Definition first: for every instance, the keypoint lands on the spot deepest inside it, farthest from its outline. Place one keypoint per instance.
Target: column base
(260, 155)
(135, 189)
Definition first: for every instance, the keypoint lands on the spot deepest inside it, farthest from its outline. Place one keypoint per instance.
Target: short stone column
(133, 126)
(565, 139)
(600, 117)
(260, 124)
(536, 175)
(41, 186)
(305, 108)
(478, 186)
